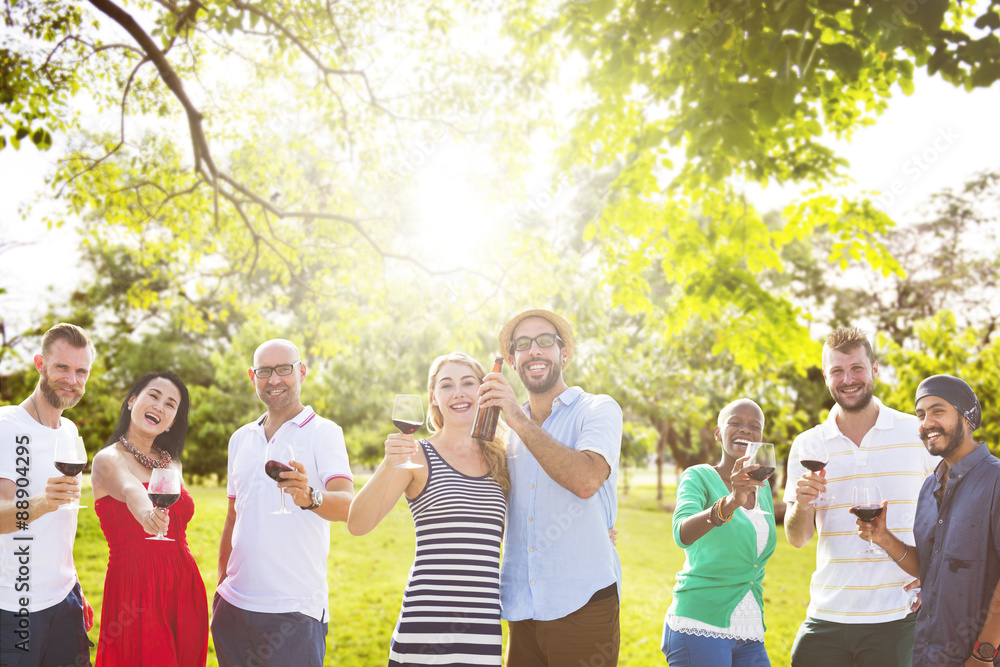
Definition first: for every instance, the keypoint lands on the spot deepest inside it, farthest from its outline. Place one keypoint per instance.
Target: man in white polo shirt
(859, 609)
(272, 601)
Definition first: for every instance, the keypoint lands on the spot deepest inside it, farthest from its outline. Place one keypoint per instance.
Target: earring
(168, 430)
(130, 407)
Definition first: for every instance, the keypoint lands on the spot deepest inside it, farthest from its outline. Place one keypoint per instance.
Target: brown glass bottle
(484, 427)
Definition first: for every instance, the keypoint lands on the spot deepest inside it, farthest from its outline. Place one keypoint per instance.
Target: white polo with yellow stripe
(848, 587)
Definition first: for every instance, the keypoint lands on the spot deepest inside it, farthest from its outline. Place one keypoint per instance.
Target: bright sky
(936, 138)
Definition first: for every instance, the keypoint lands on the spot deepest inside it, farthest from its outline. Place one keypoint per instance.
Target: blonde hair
(73, 335)
(494, 451)
(848, 339)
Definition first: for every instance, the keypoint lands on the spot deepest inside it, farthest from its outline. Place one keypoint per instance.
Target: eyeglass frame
(513, 342)
(274, 369)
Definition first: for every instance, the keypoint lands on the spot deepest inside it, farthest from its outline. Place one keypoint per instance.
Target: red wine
(70, 469)
(868, 513)
(407, 427)
(813, 465)
(484, 425)
(761, 473)
(164, 500)
(273, 469)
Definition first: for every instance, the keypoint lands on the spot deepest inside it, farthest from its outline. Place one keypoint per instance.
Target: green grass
(367, 575)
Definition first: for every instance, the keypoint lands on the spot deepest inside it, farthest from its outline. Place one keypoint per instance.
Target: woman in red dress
(155, 611)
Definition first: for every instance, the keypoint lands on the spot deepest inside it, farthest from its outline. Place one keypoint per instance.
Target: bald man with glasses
(271, 606)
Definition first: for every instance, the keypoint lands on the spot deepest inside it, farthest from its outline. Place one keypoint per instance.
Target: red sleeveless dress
(155, 610)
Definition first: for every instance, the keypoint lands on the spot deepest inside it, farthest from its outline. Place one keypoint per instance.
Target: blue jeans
(254, 639)
(684, 650)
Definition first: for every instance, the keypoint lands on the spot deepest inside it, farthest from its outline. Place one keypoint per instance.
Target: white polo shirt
(278, 562)
(36, 563)
(847, 587)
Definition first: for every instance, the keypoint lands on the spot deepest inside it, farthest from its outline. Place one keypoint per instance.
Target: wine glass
(763, 455)
(276, 458)
(408, 416)
(866, 503)
(164, 490)
(70, 459)
(814, 457)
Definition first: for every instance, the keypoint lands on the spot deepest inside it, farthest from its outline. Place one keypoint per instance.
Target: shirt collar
(568, 397)
(884, 422)
(304, 417)
(964, 465)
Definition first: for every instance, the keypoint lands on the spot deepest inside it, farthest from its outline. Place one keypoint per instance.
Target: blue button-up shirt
(556, 550)
(958, 542)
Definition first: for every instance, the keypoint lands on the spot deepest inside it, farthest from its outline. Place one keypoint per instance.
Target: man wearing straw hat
(560, 579)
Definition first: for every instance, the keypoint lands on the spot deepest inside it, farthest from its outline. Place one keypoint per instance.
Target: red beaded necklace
(145, 460)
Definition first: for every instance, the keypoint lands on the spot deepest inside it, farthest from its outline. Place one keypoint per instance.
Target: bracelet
(712, 513)
(725, 519)
(906, 550)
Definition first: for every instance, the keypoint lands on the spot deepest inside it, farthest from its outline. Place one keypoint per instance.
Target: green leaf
(844, 59)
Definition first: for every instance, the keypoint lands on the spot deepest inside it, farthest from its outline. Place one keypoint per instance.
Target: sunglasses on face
(264, 372)
(524, 343)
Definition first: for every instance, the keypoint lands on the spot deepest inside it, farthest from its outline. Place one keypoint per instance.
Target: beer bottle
(484, 427)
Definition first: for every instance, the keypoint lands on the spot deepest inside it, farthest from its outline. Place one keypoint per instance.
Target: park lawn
(367, 576)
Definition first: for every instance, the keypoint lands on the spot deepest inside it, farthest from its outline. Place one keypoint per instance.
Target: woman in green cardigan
(717, 615)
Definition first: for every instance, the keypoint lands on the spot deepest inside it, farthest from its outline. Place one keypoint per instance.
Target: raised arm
(580, 470)
(110, 477)
(693, 527)
(382, 491)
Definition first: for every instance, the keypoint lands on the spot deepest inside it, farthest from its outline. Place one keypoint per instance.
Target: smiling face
(454, 393)
(942, 428)
(63, 374)
(154, 408)
(540, 368)
(740, 422)
(850, 377)
(278, 392)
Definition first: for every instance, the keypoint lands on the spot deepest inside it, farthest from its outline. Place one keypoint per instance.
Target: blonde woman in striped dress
(451, 606)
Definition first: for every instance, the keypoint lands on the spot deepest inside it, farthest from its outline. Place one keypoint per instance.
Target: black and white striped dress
(451, 606)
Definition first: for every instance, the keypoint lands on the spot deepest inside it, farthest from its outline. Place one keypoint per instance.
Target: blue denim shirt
(958, 542)
(556, 550)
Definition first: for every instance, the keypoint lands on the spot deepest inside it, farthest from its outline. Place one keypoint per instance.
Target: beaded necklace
(145, 460)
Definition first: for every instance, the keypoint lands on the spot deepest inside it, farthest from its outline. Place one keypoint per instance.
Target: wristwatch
(317, 499)
(984, 651)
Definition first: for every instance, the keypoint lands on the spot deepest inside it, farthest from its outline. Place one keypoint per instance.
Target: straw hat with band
(563, 328)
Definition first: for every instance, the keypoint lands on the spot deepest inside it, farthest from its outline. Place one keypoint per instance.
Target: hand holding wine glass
(408, 417)
(763, 458)
(814, 456)
(867, 505)
(70, 459)
(277, 459)
(164, 490)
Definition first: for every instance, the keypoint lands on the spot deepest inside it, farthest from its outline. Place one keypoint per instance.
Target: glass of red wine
(164, 490)
(70, 459)
(814, 457)
(866, 503)
(408, 417)
(277, 457)
(763, 455)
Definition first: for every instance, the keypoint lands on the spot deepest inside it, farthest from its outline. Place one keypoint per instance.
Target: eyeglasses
(544, 340)
(264, 372)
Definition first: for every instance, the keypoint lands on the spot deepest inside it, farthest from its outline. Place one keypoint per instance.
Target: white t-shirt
(36, 564)
(847, 587)
(278, 563)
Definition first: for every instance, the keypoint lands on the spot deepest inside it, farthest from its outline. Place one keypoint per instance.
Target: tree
(737, 92)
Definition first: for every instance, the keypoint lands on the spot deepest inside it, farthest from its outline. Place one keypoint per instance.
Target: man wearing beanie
(957, 531)
(560, 577)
